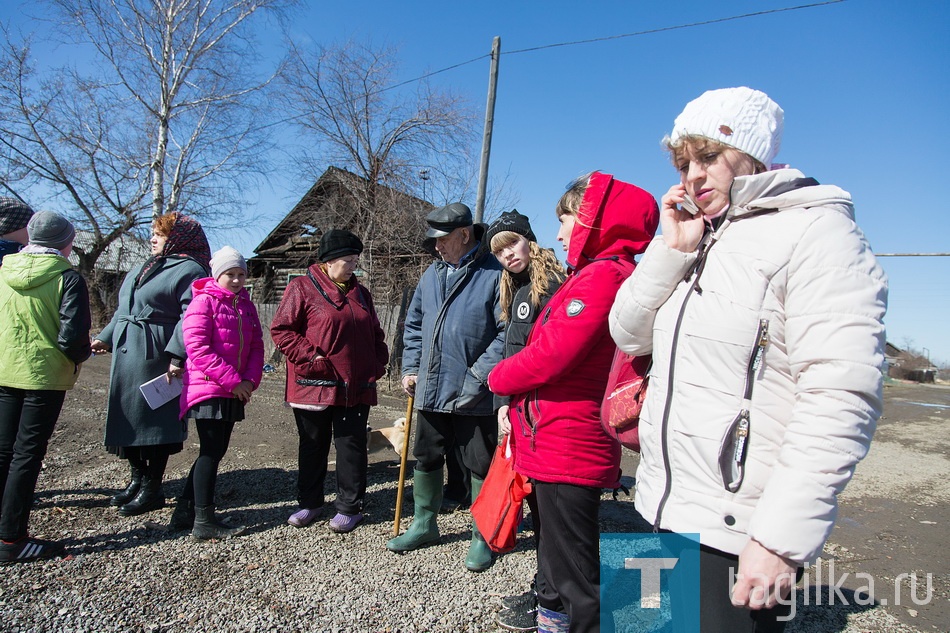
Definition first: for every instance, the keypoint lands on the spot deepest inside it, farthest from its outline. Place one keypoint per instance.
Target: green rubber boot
(479, 556)
(427, 495)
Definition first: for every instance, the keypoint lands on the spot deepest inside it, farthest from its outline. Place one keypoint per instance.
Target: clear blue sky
(864, 84)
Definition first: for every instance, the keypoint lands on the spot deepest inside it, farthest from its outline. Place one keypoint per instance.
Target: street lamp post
(424, 174)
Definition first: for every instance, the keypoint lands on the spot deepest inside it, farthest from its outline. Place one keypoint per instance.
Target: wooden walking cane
(402, 466)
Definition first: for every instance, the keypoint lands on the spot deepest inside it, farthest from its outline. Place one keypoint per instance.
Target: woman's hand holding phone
(682, 230)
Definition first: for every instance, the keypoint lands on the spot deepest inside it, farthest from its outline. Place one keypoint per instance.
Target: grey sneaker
(522, 601)
(518, 619)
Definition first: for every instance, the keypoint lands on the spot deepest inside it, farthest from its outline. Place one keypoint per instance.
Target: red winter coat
(335, 348)
(223, 341)
(559, 378)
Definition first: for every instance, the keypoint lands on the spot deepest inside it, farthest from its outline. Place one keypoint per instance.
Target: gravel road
(130, 574)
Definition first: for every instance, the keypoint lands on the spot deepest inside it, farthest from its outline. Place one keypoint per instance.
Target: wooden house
(390, 223)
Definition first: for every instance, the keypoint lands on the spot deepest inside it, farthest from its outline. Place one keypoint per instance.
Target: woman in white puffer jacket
(762, 305)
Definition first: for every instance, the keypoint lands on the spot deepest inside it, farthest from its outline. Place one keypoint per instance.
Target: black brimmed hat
(446, 219)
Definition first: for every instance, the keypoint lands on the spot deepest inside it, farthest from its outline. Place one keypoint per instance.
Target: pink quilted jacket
(224, 343)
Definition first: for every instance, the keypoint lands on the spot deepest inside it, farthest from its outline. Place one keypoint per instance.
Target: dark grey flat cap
(446, 219)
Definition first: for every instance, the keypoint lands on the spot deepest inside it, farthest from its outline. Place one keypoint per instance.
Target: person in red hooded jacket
(558, 382)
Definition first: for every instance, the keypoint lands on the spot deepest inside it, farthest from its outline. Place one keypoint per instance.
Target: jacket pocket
(317, 368)
(734, 447)
(732, 452)
(471, 393)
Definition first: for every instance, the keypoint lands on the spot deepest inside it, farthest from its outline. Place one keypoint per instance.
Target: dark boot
(123, 497)
(427, 497)
(479, 556)
(207, 526)
(150, 497)
(183, 518)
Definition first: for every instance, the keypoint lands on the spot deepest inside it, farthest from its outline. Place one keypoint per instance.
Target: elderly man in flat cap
(14, 216)
(454, 336)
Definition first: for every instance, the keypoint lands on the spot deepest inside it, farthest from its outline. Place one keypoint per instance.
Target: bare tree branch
(164, 116)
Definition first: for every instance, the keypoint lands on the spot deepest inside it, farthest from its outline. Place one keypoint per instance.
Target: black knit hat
(14, 215)
(337, 243)
(511, 221)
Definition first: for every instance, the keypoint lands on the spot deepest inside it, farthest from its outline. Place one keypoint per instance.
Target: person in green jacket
(44, 336)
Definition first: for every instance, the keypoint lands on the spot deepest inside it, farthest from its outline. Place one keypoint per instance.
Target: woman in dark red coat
(558, 381)
(327, 328)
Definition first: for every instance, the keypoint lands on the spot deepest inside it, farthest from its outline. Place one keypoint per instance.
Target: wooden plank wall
(388, 318)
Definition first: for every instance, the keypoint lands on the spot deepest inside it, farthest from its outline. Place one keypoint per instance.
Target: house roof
(119, 257)
(295, 229)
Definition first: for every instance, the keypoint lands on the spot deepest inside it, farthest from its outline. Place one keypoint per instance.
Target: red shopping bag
(497, 509)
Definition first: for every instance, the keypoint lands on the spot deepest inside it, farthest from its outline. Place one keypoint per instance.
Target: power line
(672, 28)
(573, 43)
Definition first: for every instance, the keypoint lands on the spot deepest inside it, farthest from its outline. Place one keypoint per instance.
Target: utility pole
(489, 123)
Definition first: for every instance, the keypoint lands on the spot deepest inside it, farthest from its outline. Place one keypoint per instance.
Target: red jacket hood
(615, 219)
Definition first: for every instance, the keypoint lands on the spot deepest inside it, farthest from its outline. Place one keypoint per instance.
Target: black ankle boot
(183, 518)
(207, 526)
(149, 497)
(123, 497)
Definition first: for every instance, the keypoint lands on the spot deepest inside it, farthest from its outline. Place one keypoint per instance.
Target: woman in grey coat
(145, 336)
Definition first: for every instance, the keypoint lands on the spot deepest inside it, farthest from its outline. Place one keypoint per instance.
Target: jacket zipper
(240, 335)
(664, 425)
(346, 385)
(440, 317)
(537, 410)
(743, 420)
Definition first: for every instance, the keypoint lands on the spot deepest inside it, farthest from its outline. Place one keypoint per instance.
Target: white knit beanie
(739, 117)
(226, 259)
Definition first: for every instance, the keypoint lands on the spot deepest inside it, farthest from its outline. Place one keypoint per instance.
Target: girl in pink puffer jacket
(225, 347)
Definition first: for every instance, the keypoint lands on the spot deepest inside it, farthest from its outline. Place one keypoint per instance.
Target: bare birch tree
(163, 115)
(352, 114)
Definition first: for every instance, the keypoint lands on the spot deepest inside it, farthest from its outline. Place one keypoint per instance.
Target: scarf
(186, 240)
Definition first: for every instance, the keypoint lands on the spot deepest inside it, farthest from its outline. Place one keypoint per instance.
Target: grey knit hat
(14, 215)
(739, 117)
(51, 230)
(225, 259)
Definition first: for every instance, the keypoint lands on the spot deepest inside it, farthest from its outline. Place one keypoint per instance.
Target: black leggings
(152, 467)
(214, 436)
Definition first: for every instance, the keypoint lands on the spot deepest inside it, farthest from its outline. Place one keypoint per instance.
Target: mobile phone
(689, 205)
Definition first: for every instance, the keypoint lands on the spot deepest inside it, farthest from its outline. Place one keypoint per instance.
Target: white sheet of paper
(158, 390)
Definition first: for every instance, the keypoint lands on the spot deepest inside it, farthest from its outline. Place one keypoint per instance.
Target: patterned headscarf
(186, 239)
